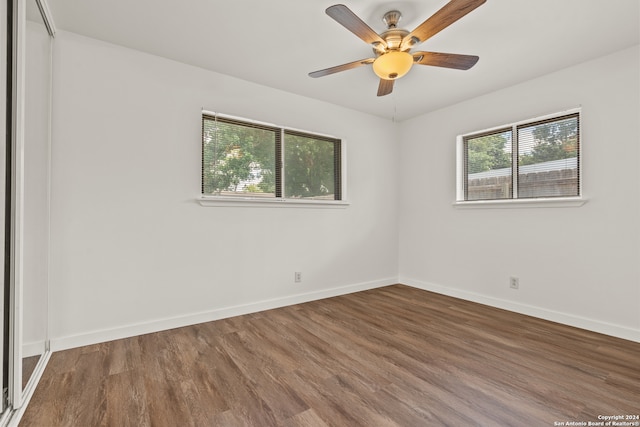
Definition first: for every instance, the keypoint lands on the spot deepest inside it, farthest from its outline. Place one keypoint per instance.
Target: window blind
(488, 165)
(548, 160)
(239, 158)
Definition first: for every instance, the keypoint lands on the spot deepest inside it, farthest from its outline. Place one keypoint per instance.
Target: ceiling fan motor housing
(394, 35)
(394, 39)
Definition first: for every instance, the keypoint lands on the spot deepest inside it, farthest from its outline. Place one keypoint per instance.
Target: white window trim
(280, 202)
(272, 202)
(551, 202)
(540, 202)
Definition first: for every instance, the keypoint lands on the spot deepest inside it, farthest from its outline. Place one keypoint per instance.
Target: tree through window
(243, 158)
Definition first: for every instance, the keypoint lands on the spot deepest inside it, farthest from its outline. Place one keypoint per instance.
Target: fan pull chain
(395, 109)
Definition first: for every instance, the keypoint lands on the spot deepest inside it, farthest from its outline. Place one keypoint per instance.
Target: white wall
(132, 250)
(576, 265)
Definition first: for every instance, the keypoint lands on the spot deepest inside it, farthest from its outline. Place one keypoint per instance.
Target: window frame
(465, 165)
(210, 200)
(514, 201)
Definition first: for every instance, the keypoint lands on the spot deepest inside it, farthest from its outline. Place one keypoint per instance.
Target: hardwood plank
(393, 356)
(307, 418)
(127, 404)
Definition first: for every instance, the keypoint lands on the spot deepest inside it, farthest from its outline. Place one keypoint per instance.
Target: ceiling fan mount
(392, 18)
(391, 48)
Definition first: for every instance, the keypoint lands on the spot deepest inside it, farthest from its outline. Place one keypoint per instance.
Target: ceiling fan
(392, 49)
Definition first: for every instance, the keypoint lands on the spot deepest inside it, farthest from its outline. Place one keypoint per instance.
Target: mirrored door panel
(36, 155)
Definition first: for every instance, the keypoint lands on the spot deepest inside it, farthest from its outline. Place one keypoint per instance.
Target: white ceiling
(278, 42)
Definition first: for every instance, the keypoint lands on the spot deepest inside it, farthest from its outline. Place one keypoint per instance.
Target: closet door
(26, 35)
(4, 100)
(29, 211)
(36, 174)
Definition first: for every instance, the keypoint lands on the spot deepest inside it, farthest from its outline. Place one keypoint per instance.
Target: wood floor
(393, 356)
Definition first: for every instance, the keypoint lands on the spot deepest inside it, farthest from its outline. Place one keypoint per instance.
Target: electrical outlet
(514, 282)
(297, 277)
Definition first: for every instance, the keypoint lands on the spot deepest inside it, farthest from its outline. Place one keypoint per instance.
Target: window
(246, 159)
(487, 161)
(311, 166)
(536, 159)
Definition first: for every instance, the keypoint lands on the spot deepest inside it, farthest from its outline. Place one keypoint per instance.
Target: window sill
(213, 201)
(560, 202)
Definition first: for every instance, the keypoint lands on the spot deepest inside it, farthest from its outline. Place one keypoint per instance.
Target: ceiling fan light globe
(392, 65)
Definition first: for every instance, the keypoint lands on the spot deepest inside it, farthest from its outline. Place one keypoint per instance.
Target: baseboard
(94, 337)
(541, 313)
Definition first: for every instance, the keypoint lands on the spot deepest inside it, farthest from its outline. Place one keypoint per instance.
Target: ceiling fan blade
(345, 17)
(446, 60)
(343, 67)
(385, 87)
(440, 20)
